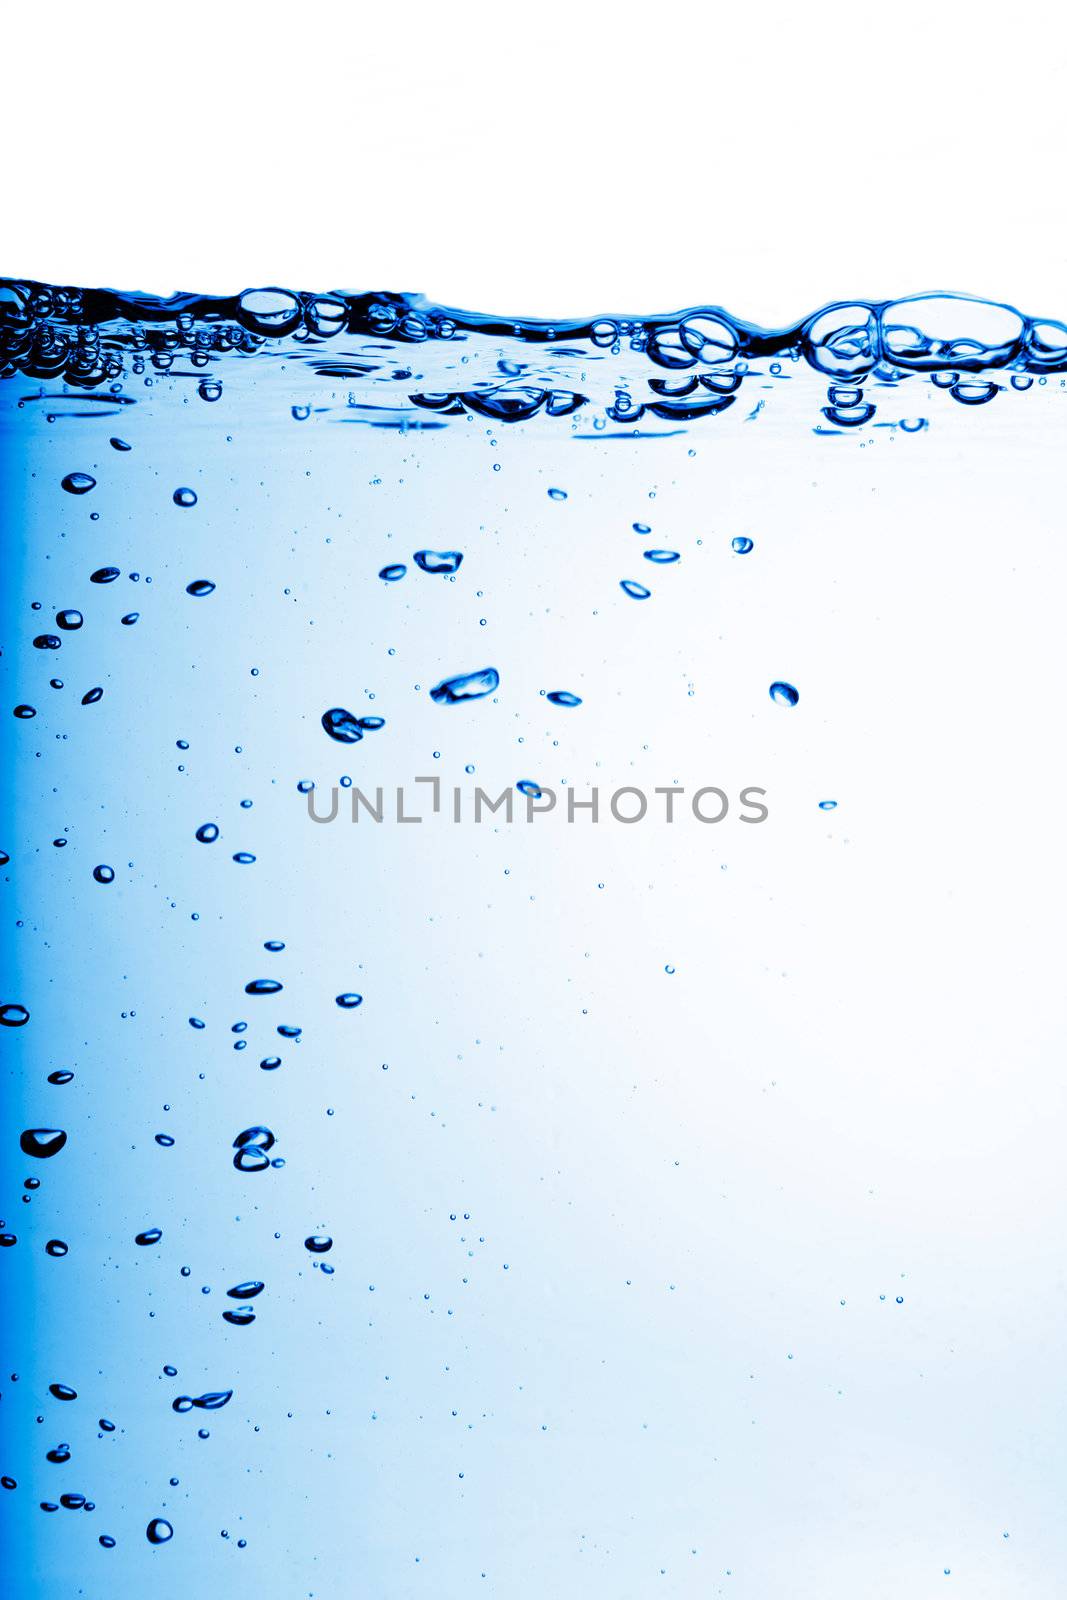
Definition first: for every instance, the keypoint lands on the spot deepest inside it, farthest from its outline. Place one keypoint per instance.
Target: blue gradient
(564, 1205)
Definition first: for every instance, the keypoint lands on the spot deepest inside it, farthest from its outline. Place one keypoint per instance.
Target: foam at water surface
(678, 367)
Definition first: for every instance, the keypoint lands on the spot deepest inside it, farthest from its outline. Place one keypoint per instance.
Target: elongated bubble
(468, 686)
(444, 562)
(214, 1400)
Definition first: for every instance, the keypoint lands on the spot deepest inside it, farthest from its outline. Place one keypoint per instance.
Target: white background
(543, 159)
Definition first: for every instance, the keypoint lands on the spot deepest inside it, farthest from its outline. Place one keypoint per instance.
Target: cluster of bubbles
(251, 1146)
(677, 367)
(69, 620)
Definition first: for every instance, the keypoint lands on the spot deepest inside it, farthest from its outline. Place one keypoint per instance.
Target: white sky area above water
(548, 161)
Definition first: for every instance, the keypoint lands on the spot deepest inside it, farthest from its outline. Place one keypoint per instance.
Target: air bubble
(42, 1143)
(442, 562)
(469, 686)
(342, 725)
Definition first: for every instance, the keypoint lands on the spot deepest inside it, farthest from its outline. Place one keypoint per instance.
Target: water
(529, 1037)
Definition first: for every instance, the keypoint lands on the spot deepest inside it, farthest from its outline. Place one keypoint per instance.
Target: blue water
(529, 1041)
